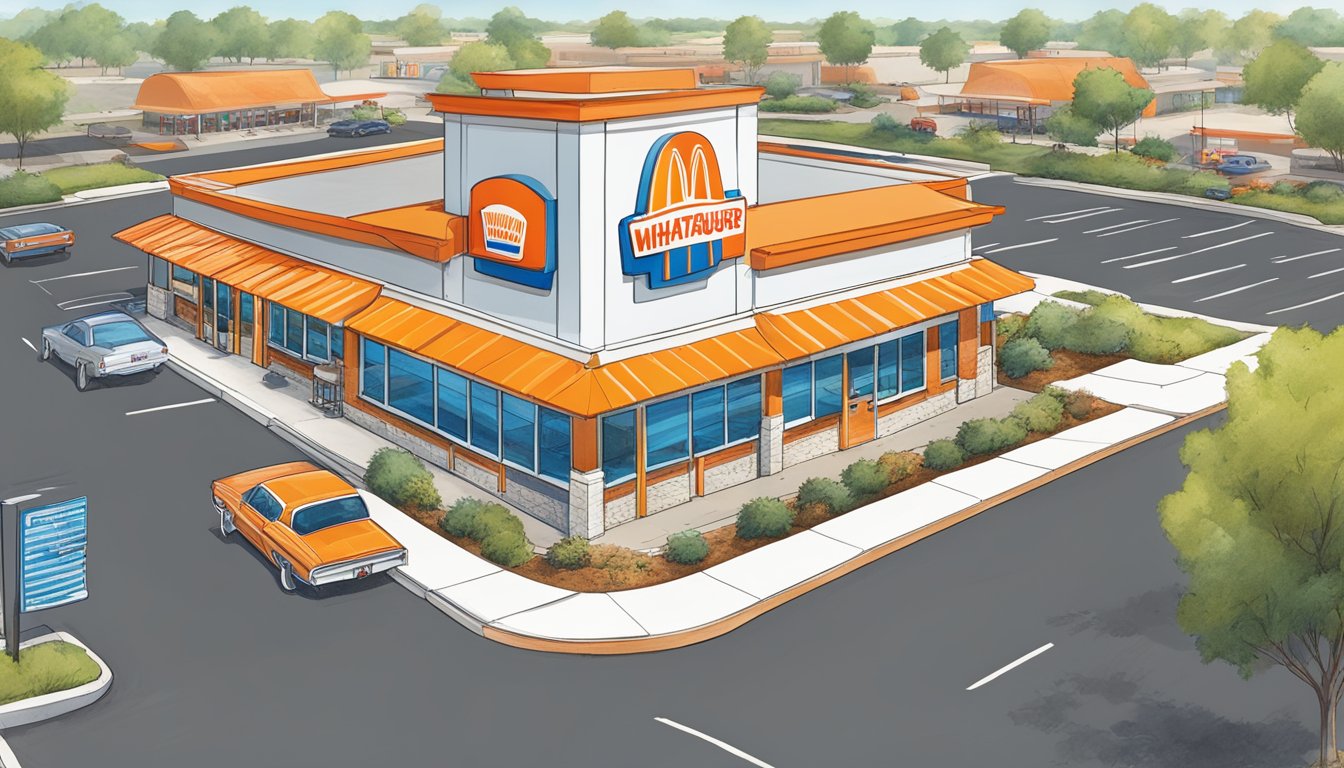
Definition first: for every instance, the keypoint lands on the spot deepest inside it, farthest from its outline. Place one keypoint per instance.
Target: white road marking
(1192, 253)
(1137, 255)
(170, 407)
(29, 343)
(1113, 226)
(1286, 259)
(83, 274)
(1065, 213)
(1012, 666)
(1084, 215)
(986, 245)
(1235, 290)
(1323, 274)
(1206, 274)
(726, 747)
(1141, 226)
(1307, 304)
(122, 296)
(1216, 231)
(1022, 245)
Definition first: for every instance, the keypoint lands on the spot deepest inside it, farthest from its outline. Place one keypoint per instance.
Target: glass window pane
(160, 271)
(912, 361)
(452, 404)
(294, 332)
(744, 409)
(520, 432)
(373, 359)
(947, 350)
(208, 294)
(987, 312)
(275, 330)
(317, 338)
(618, 446)
(707, 419)
(828, 387)
(666, 430)
(861, 372)
(888, 368)
(410, 386)
(338, 342)
(485, 418)
(184, 275)
(553, 447)
(797, 391)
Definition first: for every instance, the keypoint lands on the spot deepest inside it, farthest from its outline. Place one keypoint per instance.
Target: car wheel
(287, 580)
(45, 354)
(82, 380)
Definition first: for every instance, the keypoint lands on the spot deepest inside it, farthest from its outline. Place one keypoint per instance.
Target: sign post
(51, 563)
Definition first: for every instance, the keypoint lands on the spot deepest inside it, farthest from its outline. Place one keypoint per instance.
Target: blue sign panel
(53, 545)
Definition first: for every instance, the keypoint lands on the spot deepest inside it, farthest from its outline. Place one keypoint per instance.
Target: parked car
(312, 525)
(1240, 165)
(358, 127)
(1218, 193)
(104, 344)
(25, 240)
(923, 125)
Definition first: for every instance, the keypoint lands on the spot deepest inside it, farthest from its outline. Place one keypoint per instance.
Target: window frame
(334, 330)
(946, 353)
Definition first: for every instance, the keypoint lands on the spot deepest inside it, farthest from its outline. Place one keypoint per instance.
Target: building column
(968, 352)
(771, 459)
(587, 483)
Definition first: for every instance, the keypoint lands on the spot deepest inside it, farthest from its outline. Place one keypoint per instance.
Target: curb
(950, 162)
(725, 625)
(49, 705)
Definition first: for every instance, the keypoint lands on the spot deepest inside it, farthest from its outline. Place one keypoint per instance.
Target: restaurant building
(599, 296)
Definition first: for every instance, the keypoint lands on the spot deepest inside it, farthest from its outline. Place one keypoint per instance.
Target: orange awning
(194, 93)
(1040, 81)
(299, 285)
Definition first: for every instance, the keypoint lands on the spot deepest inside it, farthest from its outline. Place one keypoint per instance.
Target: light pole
(9, 572)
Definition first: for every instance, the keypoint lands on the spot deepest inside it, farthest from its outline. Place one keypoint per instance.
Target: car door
(74, 338)
(258, 508)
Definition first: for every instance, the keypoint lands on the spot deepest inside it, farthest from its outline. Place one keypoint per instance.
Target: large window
(888, 369)
(707, 420)
(618, 446)
(410, 386)
(519, 434)
(275, 332)
(184, 283)
(828, 392)
(158, 273)
(947, 350)
(553, 444)
(744, 409)
(912, 361)
(666, 431)
(304, 336)
(485, 418)
(294, 332)
(318, 333)
(452, 404)
(373, 361)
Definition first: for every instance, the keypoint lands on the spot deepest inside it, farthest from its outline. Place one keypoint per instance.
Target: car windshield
(325, 514)
(113, 335)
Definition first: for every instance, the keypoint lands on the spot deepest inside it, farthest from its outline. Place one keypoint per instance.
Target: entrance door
(246, 325)
(208, 310)
(223, 316)
(862, 425)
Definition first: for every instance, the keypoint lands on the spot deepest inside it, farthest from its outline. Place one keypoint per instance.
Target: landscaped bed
(45, 668)
(23, 188)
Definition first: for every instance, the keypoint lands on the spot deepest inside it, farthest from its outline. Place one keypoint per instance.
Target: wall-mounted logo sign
(685, 223)
(511, 230)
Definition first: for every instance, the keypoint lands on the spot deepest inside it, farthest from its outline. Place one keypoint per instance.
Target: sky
(563, 10)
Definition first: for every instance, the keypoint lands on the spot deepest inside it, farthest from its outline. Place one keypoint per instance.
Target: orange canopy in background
(1040, 81)
(194, 93)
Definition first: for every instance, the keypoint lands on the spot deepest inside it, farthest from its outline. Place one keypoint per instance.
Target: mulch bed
(1068, 365)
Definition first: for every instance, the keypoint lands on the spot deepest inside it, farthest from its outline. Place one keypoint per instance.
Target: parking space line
(1113, 226)
(1327, 272)
(170, 407)
(29, 343)
(83, 274)
(1065, 213)
(986, 245)
(1192, 253)
(119, 296)
(1084, 216)
(1141, 226)
(1216, 231)
(1307, 304)
(1206, 274)
(1021, 245)
(1137, 255)
(725, 746)
(1286, 259)
(1011, 667)
(1235, 290)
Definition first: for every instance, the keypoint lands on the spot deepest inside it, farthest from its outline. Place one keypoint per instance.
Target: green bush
(400, 479)
(366, 112)
(943, 455)
(77, 178)
(1023, 355)
(1097, 334)
(460, 519)
(494, 518)
(1089, 296)
(811, 105)
(507, 548)
(980, 135)
(394, 117)
(1011, 326)
(1323, 192)
(825, 492)
(1042, 413)
(1049, 323)
(1069, 128)
(23, 188)
(569, 553)
(900, 464)
(865, 478)
(1156, 148)
(981, 436)
(864, 96)
(781, 85)
(1284, 188)
(686, 547)
(764, 518)
(481, 520)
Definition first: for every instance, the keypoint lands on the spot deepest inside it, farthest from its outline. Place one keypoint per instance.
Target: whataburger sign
(685, 223)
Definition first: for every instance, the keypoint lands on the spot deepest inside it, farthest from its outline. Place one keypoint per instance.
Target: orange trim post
(503, 480)
(987, 334)
(699, 475)
(933, 378)
(235, 325)
(351, 363)
(200, 307)
(773, 402)
(844, 400)
(641, 473)
(583, 444)
(968, 337)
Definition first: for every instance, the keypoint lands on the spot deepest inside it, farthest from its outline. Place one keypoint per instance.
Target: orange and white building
(599, 295)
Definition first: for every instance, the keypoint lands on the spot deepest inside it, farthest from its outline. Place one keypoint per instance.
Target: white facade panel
(453, 151)
(498, 150)
(591, 238)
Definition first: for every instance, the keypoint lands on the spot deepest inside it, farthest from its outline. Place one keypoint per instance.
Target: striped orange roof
(326, 294)
(1041, 81)
(191, 93)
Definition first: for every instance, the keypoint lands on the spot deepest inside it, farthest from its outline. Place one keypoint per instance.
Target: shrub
(394, 117)
(781, 85)
(1042, 413)
(494, 518)
(943, 455)
(1089, 296)
(864, 96)
(23, 188)
(763, 518)
(686, 547)
(1069, 128)
(800, 104)
(865, 477)
(617, 560)
(460, 519)
(569, 553)
(824, 492)
(1023, 355)
(507, 548)
(400, 479)
(900, 464)
(1284, 188)
(1097, 334)
(1012, 326)
(1049, 323)
(1156, 148)
(980, 134)
(366, 112)
(1079, 403)
(883, 121)
(1323, 192)
(981, 436)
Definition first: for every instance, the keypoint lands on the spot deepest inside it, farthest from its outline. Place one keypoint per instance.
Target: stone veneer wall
(291, 374)
(423, 448)
(812, 446)
(984, 370)
(621, 510)
(912, 415)
(731, 473)
(544, 501)
(158, 302)
(668, 493)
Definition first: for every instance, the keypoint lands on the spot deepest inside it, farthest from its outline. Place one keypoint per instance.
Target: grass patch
(804, 104)
(45, 668)
(77, 178)
(1324, 212)
(21, 188)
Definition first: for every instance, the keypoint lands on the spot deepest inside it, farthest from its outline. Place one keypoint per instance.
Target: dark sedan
(358, 127)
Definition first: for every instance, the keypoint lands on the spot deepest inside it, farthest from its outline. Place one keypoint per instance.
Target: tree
(1146, 33)
(241, 32)
(1103, 31)
(186, 43)
(746, 42)
(288, 39)
(845, 39)
(1258, 525)
(479, 57)
(517, 33)
(1027, 31)
(115, 50)
(615, 30)
(339, 40)
(1063, 125)
(1194, 31)
(31, 98)
(89, 28)
(1275, 78)
(1247, 36)
(54, 39)
(909, 31)
(141, 35)
(1103, 97)
(1320, 112)
(421, 26)
(943, 51)
(1321, 27)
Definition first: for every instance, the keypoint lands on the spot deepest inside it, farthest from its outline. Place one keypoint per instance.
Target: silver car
(105, 344)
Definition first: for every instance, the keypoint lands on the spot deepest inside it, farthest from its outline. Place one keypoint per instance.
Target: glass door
(208, 310)
(246, 325)
(223, 316)
(862, 425)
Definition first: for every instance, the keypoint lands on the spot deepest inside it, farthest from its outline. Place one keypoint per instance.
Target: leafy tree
(1103, 97)
(746, 41)
(141, 35)
(1147, 34)
(517, 33)
(615, 30)
(1258, 525)
(1320, 112)
(1103, 31)
(654, 32)
(781, 85)
(479, 57)
(846, 39)
(421, 26)
(1313, 27)
(89, 27)
(1247, 36)
(1063, 125)
(241, 32)
(943, 51)
(1275, 78)
(339, 40)
(186, 43)
(115, 50)
(909, 31)
(31, 99)
(288, 39)
(1027, 31)
(1194, 31)
(55, 39)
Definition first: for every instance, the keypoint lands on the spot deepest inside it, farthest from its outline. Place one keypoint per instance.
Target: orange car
(313, 525)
